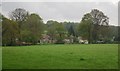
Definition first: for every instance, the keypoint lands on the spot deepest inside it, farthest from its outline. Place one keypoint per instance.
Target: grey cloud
(64, 11)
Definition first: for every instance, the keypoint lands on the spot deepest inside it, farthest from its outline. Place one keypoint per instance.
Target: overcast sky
(64, 11)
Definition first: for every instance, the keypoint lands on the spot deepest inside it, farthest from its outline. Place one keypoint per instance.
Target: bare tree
(19, 15)
(99, 17)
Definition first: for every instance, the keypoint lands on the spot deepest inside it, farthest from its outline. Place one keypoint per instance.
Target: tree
(56, 30)
(0, 29)
(98, 19)
(115, 31)
(85, 27)
(70, 27)
(71, 31)
(60, 29)
(92, 25)
(32, 29)
(104, 34)
(9, 32)
(51, 29)
(19, 15)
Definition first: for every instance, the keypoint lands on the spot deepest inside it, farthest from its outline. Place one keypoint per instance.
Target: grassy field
(76, 56)
(0, 58)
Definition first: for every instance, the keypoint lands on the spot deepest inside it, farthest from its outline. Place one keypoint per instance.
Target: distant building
(82, 41)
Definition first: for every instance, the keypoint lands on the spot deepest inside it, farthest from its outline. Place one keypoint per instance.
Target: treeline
(24, 28)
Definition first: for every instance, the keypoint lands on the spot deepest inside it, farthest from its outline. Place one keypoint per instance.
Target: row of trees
(21, 26)
(25, 27)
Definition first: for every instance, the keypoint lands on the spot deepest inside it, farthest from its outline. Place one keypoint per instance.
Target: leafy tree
(91, 26)
(51, 28)
(98, 18)
(115, 32)
(0, 29)
(32, 29)
(56, 30)
(85, 27)
(60, 30)
(104, 33)
(70, 27)
(72, 32)
(19, 15)
(9, 32)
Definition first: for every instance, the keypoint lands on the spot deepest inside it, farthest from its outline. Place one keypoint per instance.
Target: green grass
(76, 56)
(0, 58)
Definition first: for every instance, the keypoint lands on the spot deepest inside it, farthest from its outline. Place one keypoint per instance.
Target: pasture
(64, 56)
(0, 57)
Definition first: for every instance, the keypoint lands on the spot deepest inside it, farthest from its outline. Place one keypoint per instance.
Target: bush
(59, 41)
